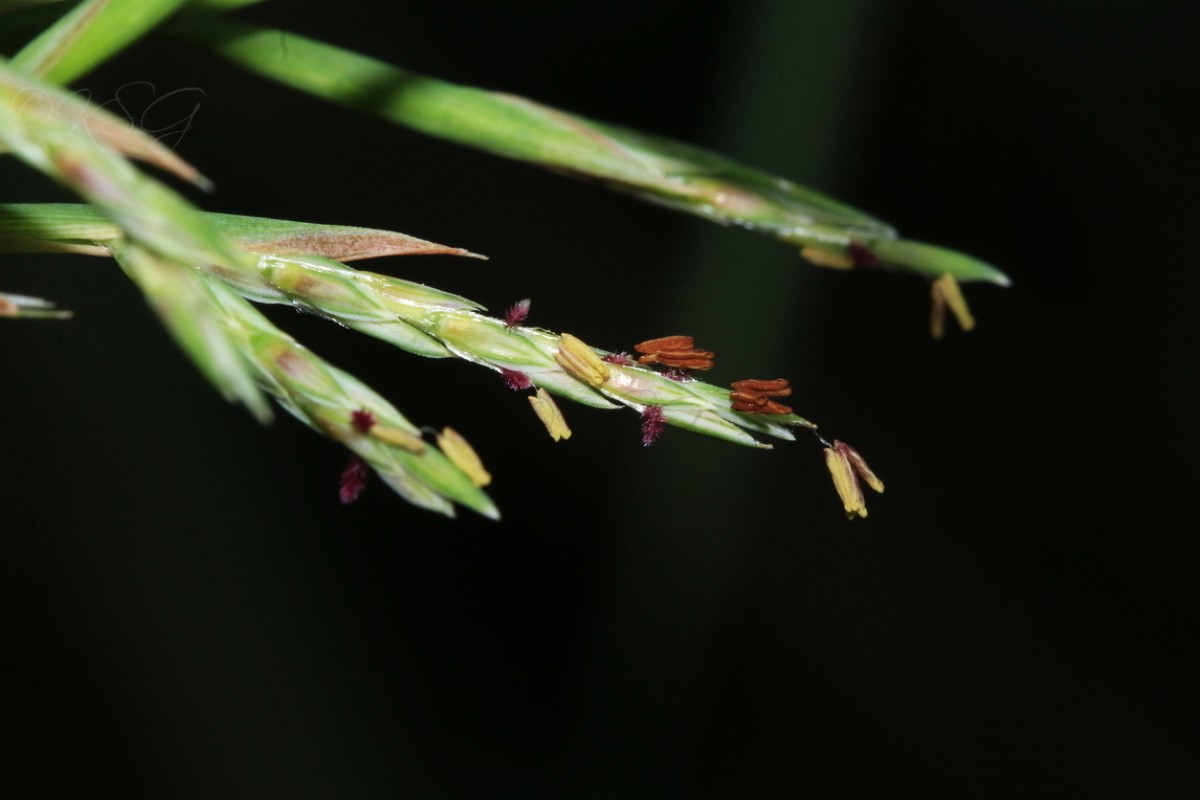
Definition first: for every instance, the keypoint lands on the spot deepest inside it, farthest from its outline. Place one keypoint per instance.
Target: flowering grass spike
(201, 272)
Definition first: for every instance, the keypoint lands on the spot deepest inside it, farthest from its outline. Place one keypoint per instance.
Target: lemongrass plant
(203, 272)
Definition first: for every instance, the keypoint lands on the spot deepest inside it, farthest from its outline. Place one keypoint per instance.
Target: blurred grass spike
(25, 307)
(182, 299)
(653, 168)
(161, 235)
(59, 147)
(200, 271)
(36, 113)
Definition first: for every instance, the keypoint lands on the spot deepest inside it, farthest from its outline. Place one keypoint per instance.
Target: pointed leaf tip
(934, 261)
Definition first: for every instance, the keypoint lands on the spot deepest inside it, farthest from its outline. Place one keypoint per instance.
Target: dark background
(193, 614)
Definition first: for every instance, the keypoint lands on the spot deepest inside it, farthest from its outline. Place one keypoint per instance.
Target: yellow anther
(547, 411)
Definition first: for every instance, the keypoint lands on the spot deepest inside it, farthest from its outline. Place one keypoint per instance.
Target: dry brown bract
(753, 396)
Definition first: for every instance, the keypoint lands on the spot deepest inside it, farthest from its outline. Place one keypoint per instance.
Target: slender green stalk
(654, 168)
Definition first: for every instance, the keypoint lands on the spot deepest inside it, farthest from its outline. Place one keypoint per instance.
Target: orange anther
(674, 351)
(753, 396)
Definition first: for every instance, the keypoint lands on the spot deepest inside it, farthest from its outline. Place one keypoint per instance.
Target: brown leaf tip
(351, 244)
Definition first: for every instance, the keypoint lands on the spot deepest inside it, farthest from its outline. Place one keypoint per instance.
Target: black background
(193, 614)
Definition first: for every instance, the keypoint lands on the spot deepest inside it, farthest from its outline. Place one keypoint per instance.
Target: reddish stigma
(517, 313)
(621, 359)
(515, 380)
(676, 374)
(862, 256)
(653, 423)
(362, 420)
(353, 481)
